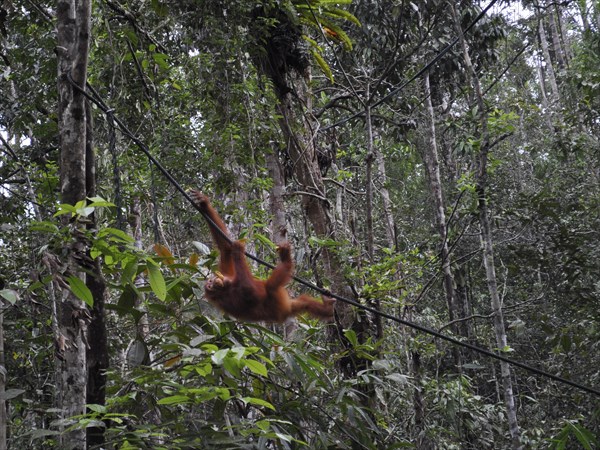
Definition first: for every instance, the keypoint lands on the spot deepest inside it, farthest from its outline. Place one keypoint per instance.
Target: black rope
(424, 69)
(97, 100)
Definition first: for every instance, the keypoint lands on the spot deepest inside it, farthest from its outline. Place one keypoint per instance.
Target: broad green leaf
(65, 209)
(11, 393)
(80, 290)
(232, 365)
(10, 295)
(97, 408)
(39, 433)
(204, 369)
(351, 336)
(258, 401)
(85, 212)
(174, 400)
(264, 240)
(157, 281)
(219, 356)
(397, 378)
(99, 202)
(129, 271)
(114, 234)
(256, 367)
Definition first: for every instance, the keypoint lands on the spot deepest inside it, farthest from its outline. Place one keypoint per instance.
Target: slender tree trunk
(135, 223)
(3, 412)
(555, 37)
(276, 201)
(369, 183)
(435, 185)
(422, 440)
(73, 32)
(97, 354)
(584, 14)
(370, 233)
(303, 159)
(542, 78)
(547, 113)
(487, 242)
(390, 223)
(547, 58)
(566, 42)
(277, 207)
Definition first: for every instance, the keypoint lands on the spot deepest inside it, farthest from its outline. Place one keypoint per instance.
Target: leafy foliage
(190, 80)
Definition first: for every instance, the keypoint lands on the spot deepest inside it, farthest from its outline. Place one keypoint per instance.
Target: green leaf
(100, 202)
(161, 60)
(80, 290)
(114, 234)
(323, 65)
(44, 226)
(397, 378)
(584, 436)
(10, 295)
(37, 434)
(264, 240)
(129, 271)
(157, 281)
(256, 367)
(343, 14)
(174, 400)
(65, 209)
(97, 408)
(232, 365)
(11, 393)
(258, 401)
(219, 356)
(126, 300)
(351, 336)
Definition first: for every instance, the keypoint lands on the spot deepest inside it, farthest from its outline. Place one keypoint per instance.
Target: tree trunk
(487, 241)
(549, 66)
(303, 159)
(369, 181)
(73, 32)
(279, 229)
(564, 37)
(135, 224)
(3, 373)
(276, 201)
(97, 353)
(375, 303)
(435, 185)
(559, 38)
(390, 223)
(584, 14)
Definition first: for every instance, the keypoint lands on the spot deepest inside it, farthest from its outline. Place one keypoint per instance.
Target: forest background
(434, 161)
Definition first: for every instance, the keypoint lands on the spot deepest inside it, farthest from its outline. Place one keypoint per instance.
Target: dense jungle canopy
(433, 162)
